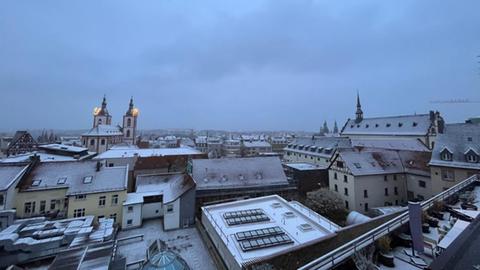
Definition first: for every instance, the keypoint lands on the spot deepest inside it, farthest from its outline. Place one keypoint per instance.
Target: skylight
(61, 180)
(36, 183)
(357, 165)
(87, 179)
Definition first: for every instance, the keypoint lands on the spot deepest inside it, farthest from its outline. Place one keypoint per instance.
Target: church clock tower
(101, 115)
(130, 124)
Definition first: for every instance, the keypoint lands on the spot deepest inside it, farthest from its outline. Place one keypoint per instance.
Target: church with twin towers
(103, 135)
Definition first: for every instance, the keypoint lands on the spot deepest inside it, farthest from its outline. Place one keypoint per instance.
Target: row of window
(399, 124)
(306, 156)
(365, 192)
(29, 207)
(470, 156)
(102, 200)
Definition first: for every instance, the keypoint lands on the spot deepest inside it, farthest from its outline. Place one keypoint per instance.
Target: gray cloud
(235, 64)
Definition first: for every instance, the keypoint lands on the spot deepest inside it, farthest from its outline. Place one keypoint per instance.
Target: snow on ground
(185, 242)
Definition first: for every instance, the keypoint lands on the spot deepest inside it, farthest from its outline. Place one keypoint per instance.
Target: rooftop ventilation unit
(276, 205)
(289, 214)
(305, 227)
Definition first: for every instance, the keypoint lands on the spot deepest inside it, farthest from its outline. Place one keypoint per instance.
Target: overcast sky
(235, 65)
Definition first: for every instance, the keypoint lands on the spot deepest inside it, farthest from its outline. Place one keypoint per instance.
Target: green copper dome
(166, 260)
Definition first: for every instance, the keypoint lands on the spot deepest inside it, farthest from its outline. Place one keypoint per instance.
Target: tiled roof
(398, 144)
(458, 139)
(50, 175)
(238, 172)
(104, 130)
(8, 173)
(322, 146)
(418, 125)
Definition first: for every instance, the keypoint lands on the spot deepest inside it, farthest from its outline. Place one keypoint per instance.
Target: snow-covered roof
(398, 144)
(62, 147)
(148, 152)
(10, 173)
(458, 139)
(44, 157)
(380, 161)
(104, 130)
(238, 172)
(319, 146)
(304, 166)
(298, 223)
(417, 125)
(254, 144)
(79, 177)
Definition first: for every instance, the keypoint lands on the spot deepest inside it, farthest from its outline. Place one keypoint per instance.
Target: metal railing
(338, 255)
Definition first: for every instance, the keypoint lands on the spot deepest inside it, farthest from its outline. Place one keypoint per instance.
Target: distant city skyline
(236, 65)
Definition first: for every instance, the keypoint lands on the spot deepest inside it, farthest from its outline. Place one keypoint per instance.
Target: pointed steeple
(131, 109)
(359, 112)
(335, 128)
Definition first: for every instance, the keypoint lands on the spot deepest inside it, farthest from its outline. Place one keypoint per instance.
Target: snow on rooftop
(148, 152)
(8, 174)
(303, 166)
(63, 147)
(256, 144)
(44, 157)
(301, 224)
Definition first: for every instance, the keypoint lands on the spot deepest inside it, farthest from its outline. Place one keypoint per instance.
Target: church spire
(359, 112)
(104, 102)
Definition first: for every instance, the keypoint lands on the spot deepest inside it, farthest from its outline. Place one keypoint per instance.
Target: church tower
(130, 124)
(101, 115)
(359, 112)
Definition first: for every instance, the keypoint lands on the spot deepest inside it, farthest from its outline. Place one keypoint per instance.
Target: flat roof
(275, 208)
(63, 147)
(148, 152)
(304, 166)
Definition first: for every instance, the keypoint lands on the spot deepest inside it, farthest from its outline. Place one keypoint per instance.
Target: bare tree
(328, 204)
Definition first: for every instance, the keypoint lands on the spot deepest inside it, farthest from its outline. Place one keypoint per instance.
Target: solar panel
(259, 233)
(265, 242)
(245, 216)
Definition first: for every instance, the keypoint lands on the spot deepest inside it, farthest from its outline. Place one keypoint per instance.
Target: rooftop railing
(338, 255)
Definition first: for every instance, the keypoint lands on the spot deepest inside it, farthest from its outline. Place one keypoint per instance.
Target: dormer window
(366, 125)
(400, 124)
(471, 156)
(388, 124)
(414, 124)
(446, 155)
(376, 125)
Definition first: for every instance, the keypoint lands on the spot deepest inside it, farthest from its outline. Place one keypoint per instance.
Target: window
(110, 164)
(366, 207)
(92, 142)
(345, 179)
(395, 190)
(102, 142)
(365, 193)
(345, 191)
(336, 188)
(61, 180)
(36, 183)
(128, 133)
(42, 206)
(448, 175)
(114, 217)
(130, 209)
(169, 208)
(79, 212)
(346, 204)
(87, 179)
(386, 191)
(1, 199)
(446, 155)
(340, 164)
(388, 125)
(396, 202)
(129, 122)
(472, 158)
(114, 199)
(53, 204)
(335, 176)
(357, 165)
(469, 139)
(385, 178)
(422, 183)
(394, 177)
(29, 208)
(101, 201)
(129, 222)
(80, 197)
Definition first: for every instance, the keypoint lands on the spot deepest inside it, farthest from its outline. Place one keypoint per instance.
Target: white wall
(135, 216)
(152, 210)
(375, 184)
(171, 220)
